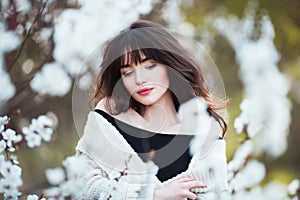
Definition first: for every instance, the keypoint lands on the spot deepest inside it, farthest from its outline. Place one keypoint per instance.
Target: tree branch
(26, 37)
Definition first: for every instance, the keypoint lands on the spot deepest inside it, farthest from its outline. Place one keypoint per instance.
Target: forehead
(133, 58)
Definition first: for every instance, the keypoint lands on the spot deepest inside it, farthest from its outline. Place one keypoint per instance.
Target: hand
(178, 190)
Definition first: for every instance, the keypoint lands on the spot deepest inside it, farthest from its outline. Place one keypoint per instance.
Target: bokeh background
(195, 16)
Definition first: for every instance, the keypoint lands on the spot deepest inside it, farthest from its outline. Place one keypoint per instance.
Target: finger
(185, 180)
(191, 195)
(194, 184)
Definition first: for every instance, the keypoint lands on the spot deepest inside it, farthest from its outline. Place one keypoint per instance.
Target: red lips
(144, 91)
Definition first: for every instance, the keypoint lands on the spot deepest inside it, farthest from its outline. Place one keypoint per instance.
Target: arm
(100, 185)
(209, 163)
(95, 183)
(211, 169)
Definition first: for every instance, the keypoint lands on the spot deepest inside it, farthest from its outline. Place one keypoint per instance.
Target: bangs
(132, 58)
(138, 46)
(136, 57)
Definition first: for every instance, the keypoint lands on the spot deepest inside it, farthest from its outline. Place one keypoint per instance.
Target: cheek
(163, 78)
(128, 85)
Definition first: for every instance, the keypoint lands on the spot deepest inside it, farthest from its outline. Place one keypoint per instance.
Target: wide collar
(108, 147)
(103, 142)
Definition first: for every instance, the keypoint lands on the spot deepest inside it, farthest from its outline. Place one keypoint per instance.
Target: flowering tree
(48, 25)
(265, 110)
(57, 30)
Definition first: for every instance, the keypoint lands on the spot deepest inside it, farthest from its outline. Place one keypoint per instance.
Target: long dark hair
(155, 43)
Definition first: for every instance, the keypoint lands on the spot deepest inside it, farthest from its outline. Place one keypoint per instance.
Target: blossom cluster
(70, 53)
(11, 178)
(65, 180)
(39, 129)
(10, 171)
(266, 107)
(265, 115)
(9, 136)
(9, 41)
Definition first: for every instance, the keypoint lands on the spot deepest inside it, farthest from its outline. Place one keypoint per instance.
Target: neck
(162, 115)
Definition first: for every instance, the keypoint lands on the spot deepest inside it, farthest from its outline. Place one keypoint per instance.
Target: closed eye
(126, 74)
(151, 66)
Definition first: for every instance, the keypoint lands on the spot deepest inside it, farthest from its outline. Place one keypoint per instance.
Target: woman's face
(146, 82)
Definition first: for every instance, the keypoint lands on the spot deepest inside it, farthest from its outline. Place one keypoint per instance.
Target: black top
(171, 150)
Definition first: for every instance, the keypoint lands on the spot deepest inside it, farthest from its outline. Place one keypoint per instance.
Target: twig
(26, 38)
(18, 97)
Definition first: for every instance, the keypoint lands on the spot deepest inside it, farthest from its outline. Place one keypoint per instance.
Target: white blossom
(69, 187)
(42, 125)
(9, 40)
(52, 80)
(33, 197)
(11, 179)
(8, 169)
(55, 176)
(23, 6)
(252, 174)
(255, 193)
(2, 146)
(70, 52)
(200, 124)
(11, 194)
(33, 139)
(54, 193)
(171, 13)
(85, 81)
(45, 34)
(260, 76)
(75, 166)
(7, 88)
(240, 156)
(10, 136)
(275, 190)
(39, 129)
(293, 187)
(3, 120)
(14, 159)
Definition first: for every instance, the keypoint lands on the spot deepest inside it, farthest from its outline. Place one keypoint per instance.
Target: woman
(149, 96)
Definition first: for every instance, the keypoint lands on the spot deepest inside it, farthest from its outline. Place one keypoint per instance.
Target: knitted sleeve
(211, 169)
(99, 184)
(94, 184)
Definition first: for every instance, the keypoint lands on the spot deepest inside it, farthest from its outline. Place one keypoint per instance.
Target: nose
(140, 76)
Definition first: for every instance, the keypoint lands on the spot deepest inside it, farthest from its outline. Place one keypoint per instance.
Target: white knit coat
(108, 153)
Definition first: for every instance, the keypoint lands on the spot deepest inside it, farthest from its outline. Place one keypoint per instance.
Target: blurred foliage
(285, 16)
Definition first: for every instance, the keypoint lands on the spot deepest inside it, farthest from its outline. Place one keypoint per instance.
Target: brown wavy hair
(145, 38)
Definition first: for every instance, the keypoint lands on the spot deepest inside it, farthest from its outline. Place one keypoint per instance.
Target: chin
(146, 101)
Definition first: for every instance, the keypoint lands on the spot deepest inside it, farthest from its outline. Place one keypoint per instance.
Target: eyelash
(126, 74)
(151, 66)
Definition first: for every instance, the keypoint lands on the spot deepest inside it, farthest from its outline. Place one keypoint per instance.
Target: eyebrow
(127, 65)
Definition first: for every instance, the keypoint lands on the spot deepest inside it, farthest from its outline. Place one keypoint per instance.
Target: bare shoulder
(130, 116)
